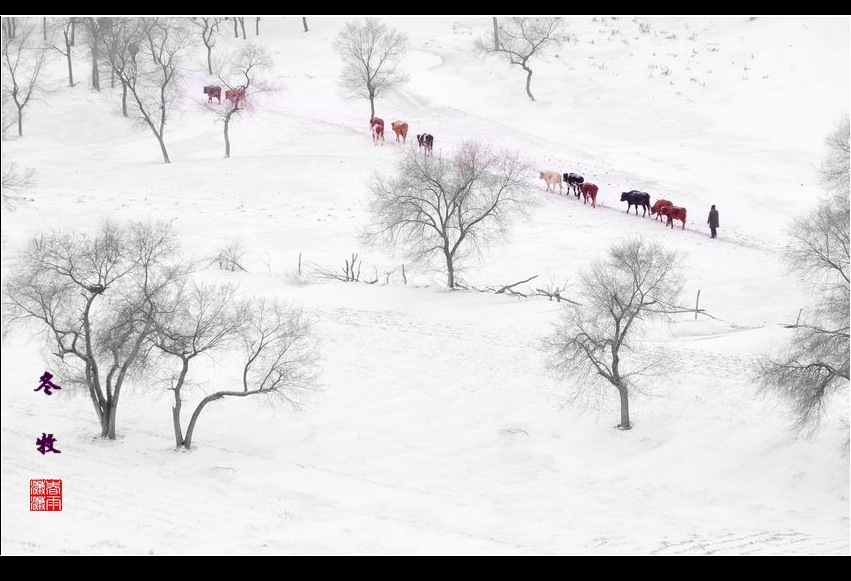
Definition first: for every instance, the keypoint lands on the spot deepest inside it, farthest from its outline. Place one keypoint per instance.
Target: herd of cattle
(575, 182)
(661, 208)
(234, 95)
(400, 128)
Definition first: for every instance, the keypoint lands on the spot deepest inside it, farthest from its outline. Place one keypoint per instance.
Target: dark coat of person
(713, 218)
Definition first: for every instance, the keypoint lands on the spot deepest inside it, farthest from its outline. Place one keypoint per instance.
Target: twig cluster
(351, 271)
(230, 257)
(551, 291)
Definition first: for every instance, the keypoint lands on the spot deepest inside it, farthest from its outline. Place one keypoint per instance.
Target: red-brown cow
(588, 191)
(235, 95)
(675, 213)
(377, 125)
(657, 208)
(400, 128)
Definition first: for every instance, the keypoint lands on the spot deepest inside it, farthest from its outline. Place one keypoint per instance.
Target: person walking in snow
(713, 221)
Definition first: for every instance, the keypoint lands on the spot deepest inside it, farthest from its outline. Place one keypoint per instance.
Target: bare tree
(237, 22)
(208, 29)
(23, 59)
(9, 26)
(815, 364)
(246, 66)
(638, 281)
(89, 296)
(370, 53)
(65, 26)
(15, 180)
(447, 208)
(279, 354)
(92, 27)
(521, 39)
(153, 75)
(835, 169)
(120, 40)
(8, 110)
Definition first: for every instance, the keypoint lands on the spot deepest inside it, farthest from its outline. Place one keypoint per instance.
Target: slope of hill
(436, 428)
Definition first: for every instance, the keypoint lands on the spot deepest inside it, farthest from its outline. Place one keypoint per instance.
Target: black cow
(636, 198)
(573, 180)
(426, 140)
(213, 92)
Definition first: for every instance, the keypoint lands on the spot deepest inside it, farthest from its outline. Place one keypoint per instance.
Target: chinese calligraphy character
(47, 384)
(45, 444)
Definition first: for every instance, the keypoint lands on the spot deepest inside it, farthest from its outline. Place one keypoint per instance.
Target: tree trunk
(495, 34)
(44, 27)
(70, 68)
(304, 22)
(227, 138)
(529, 84)
(20, 122)
(104, 424)
(257, 26)
(624, 393)
(235, 29)
(95, 75)
(163, 149)
(99, 409)
(450, 270)
(242, 25)
(124, 99)
(107, 418)
(619, 384)
(113, 413)
(190, 430)
(95, 42)
(9, 26)
(175, 409)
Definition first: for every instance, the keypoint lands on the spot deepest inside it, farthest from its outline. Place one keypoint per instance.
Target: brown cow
(213, 92)
(400, 128)
(657, 208)
(377, 125)
(552, 178)
(588, 190)
(675, 213)
(235, 95)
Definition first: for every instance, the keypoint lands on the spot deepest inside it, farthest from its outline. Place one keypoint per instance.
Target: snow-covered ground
(436, 428)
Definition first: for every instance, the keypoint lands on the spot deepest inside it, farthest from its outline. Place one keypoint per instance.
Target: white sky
(436, 428)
